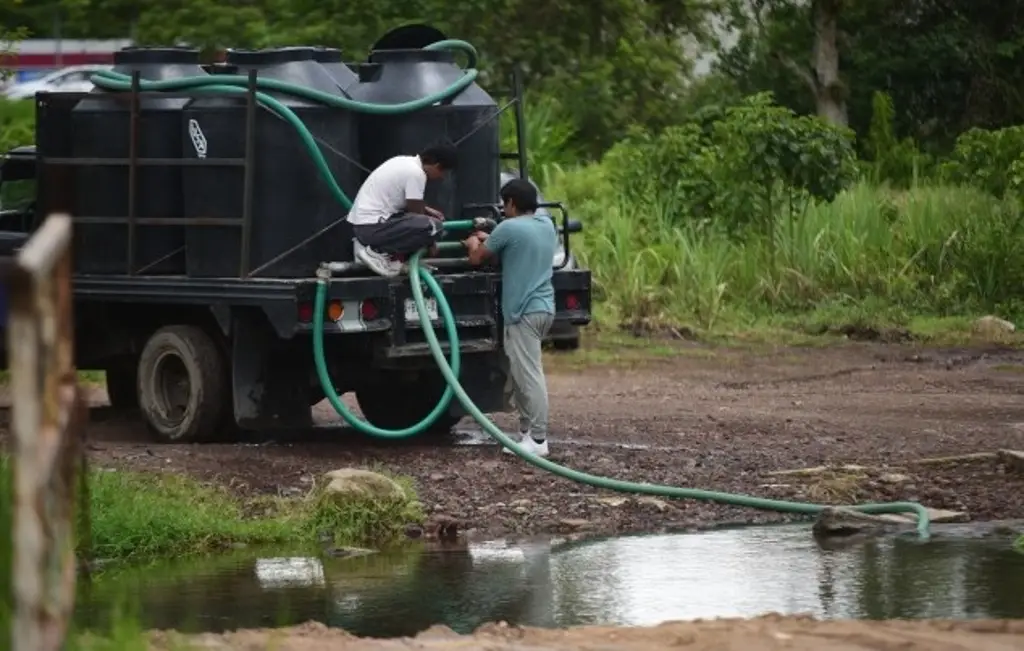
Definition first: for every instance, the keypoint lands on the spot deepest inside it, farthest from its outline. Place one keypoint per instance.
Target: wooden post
(46, 420)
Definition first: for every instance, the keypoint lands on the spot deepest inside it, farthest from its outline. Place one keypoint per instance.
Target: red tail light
(305, 312)
(572, 302)
(369, 310)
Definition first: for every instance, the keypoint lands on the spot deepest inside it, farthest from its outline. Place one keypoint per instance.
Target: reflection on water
(634, 580)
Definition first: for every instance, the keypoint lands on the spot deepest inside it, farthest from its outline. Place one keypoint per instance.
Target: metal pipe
(133, 168)
(249, 176)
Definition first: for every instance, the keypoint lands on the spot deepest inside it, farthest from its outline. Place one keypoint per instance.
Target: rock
(574, 523)
(359, 483)
(893, 478)
(611, 501)
(846, 522)
(413, 531)
(1013, 460)
(653, 501)
(992, 326)
(348, 552)
(442, 527)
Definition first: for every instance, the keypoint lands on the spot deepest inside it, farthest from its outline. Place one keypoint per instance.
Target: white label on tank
(198, 139)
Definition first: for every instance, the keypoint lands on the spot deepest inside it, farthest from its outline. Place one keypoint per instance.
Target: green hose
(419, 274)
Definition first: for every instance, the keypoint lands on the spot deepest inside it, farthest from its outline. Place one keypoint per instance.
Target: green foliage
(17, 123)
(948, 66)
(896, 161)
(610, 65)
(987, 159)
(737, 166)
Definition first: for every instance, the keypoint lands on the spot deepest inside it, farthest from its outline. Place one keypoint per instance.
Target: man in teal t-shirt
(525, 243)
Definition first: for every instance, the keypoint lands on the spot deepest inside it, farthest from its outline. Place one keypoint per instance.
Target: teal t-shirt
(526, 246)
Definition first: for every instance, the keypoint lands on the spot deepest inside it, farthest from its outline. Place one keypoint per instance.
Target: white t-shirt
(386, 190)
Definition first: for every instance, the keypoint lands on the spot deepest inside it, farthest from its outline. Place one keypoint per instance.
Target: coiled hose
(420, 276)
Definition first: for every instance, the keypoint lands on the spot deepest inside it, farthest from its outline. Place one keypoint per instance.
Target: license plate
(412, 314)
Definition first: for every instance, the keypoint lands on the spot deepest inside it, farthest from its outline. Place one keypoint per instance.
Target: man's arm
(415, 188)
(481, 247)
(476, 250)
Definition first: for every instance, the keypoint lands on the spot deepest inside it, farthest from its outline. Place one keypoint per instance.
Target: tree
(609, 63)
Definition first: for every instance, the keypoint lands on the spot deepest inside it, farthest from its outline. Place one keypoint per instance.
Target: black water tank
(290, 200)
(333, 62)
(469, 120)
(101, 129)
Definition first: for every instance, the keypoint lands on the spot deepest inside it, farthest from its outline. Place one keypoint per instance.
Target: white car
(73, 79)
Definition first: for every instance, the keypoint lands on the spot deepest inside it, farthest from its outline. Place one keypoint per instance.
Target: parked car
(563, 335)
(73, 79)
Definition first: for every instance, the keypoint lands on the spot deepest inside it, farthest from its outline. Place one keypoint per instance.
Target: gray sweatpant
(530, 390)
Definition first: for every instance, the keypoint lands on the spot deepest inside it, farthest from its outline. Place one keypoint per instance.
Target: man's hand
(472, 242)
(433, 212)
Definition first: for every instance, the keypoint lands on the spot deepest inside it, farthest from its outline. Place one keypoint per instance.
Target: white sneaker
(530, 446)
(380, 263)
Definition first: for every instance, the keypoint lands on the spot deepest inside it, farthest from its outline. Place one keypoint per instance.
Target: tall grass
(932, 250)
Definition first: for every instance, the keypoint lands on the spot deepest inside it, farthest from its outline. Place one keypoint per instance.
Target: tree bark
(829, 90)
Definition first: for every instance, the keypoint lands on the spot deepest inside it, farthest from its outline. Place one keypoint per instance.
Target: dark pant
(403, 234)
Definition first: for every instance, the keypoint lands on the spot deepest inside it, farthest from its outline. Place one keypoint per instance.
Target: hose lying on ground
(419, 276)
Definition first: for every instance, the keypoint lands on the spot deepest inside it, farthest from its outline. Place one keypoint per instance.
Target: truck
(200, 354)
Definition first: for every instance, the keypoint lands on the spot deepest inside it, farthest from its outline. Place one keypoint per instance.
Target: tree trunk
(829, 91)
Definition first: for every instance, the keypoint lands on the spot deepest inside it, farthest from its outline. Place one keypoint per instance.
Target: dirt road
(719, 419)
(761, 634)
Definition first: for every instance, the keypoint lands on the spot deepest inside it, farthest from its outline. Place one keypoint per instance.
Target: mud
(761, 634)
(713, 419)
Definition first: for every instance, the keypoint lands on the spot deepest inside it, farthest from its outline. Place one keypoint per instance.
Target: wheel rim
(173, 388)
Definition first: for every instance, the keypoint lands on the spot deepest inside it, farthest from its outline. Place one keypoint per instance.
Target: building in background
(33, 58)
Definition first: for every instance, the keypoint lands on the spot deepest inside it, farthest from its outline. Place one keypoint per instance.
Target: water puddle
(961, 573)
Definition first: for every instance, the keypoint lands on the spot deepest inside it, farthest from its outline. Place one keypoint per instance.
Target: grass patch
(90, 378)
(145, 515)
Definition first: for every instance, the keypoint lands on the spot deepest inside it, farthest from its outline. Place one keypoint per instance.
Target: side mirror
(573, 226)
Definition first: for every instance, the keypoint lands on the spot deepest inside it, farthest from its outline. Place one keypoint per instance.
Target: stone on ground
(363, 484)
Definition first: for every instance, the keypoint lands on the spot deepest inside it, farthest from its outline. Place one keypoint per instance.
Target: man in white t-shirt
(389, 217)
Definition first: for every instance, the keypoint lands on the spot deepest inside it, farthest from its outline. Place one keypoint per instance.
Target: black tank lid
(327, 55)
(412, 56)
(269, 57)
(135, 55)
(409, 37)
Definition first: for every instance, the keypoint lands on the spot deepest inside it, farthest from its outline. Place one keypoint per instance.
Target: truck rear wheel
(404, 403)
(182, 384)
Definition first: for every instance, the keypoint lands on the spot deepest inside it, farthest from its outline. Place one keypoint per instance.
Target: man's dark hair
(444, 155)
(521, 193)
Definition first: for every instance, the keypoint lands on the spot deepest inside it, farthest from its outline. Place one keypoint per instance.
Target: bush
(17, 123)
(738, 167)
(989, 160)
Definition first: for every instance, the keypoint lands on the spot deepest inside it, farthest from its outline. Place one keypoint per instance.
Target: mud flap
(270, 390)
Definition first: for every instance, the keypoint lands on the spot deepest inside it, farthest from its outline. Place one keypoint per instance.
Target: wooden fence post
(46, 420)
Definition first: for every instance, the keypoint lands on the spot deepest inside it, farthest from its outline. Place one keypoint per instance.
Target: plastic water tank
(468, 119)
(102, 129)
(333, 62)
(290, 200)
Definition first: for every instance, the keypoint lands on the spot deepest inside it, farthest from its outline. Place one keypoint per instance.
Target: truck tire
(123, 384)
(400, 405)
(182, 384)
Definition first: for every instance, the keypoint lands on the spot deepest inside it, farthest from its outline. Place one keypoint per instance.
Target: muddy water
(963, 572)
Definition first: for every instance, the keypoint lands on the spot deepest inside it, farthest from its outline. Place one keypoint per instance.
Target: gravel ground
(712, 419)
